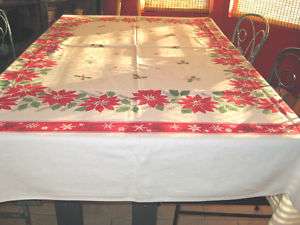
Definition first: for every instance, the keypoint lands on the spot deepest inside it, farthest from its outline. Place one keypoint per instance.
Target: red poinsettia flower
(246, 85)
(110, 18)
(61, 97)
(33, 56)
(197, 22)
(68, 18)
(239, 98)
(152, 98)
(47, 45)
(205, 33)
(59, 29)
(218, 43)
(227, 61)
(174, 21)
(101, 103)
(245, 72)
(74, 24)
(55, 34)
(48, 49)
(227, 52)
(273, 105)
(7, 102)
(153, 19)
(129, 19)
(25, 90)
(198, 103)
(20, 75)
(47, 42)
(71, 21)
(41, 63)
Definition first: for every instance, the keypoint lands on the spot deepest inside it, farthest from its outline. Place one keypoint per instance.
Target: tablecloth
(142, 109)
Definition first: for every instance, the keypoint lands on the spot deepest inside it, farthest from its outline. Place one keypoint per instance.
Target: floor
(43, 213)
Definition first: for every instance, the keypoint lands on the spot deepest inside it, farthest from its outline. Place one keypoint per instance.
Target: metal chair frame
(6, 31)
(275, 79)
(240, 35)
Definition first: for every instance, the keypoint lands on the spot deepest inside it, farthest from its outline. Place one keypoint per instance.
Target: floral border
(22, 87)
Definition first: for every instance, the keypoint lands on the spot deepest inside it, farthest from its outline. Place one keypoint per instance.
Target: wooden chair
(118, 7)
(250, 34)
(284, 76)
(253, 203)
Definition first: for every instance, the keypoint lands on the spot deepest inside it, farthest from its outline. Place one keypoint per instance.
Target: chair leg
(176, 214)
(26, 214)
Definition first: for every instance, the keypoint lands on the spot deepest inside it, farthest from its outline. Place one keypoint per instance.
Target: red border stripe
(148, 127)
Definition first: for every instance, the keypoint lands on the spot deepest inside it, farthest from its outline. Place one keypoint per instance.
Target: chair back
(6, 34)
(118, 7)
(250, 34)
(285, 69)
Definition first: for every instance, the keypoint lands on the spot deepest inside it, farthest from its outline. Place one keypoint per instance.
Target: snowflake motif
(174, 126)
(121, 129)
(194, 128)
(32, 125)
(2, 124)
(108, 126)
(290, 130)
(67, 127)
(44, 128)
(228, 130)
(271, 130)
(217, 128)
(140, 127)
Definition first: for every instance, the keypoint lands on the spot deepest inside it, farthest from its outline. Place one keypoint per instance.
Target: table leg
(144, 213)
(68, 213)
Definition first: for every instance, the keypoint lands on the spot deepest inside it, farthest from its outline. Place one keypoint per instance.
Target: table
(142, 109)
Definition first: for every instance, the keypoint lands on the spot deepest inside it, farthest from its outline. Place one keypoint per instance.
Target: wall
(280, 37)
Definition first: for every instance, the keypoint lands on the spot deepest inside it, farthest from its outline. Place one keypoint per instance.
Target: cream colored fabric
(126, 55)
(166, 55)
